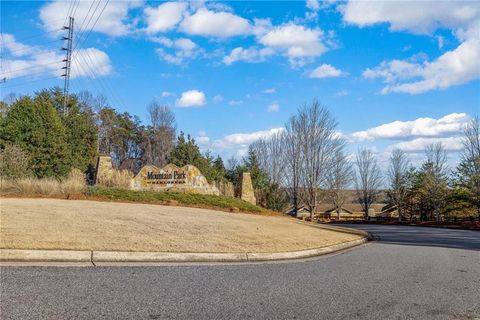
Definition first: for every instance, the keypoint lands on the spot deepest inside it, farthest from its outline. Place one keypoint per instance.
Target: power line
(93, 26)
(34, 36)
(82, 32)
(75, 11)
(68, 12)
(31, 67)
(27, 82)
(32, 73)
(104, 83)
(85, 18)
(30, 48)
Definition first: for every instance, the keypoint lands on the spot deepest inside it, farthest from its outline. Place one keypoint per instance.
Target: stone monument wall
(172, 178)
(104, 169)
(246, 189)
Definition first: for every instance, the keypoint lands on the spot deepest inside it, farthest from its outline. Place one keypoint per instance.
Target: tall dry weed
(116, 178)
(75, 183)
(47, 187)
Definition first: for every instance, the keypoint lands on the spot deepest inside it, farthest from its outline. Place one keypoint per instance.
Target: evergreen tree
(82, 137)
(186, 151)
(34, 126)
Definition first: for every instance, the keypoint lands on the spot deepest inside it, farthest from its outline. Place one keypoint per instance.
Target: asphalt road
(409, 273)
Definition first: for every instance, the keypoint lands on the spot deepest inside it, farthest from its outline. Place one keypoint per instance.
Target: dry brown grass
(92, 225)
(116, 178)
(49, 187)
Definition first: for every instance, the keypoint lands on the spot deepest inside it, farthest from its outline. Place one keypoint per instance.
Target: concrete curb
(93, 257)
(9, 255)
(121, 256)
(20, 255)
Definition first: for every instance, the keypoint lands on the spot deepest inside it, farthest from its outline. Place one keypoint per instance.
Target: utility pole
(68, 62)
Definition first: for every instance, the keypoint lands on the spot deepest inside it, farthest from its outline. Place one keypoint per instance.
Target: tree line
(37, 139)
(309, 162)
(305, 164)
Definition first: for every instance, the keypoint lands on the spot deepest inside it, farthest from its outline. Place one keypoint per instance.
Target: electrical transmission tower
(68, 62)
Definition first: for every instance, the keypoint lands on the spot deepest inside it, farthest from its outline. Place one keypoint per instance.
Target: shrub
(14, 162)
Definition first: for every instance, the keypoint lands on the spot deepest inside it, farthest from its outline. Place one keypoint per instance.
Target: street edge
(93, 257)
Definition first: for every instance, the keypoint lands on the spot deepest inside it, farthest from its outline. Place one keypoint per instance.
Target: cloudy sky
(394, 74)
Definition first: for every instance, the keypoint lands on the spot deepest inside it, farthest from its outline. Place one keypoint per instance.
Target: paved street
(409, 273)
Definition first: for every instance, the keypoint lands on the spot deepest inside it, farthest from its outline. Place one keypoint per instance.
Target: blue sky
(394, 74)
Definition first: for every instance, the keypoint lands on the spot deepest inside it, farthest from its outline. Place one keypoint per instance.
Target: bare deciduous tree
(470, 165)
(293, 160)
(398, 179)
(161, 135)
(338, 180)
(270, 154)
(368, 179)
(318, 143)
(436, 176)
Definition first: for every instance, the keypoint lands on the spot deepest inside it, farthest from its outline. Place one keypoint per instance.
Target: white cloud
(90, 62)
(192, 98)
(247, 54)
(313, 5)
(419, 144)
(325, 71)
(269, 90)
(216, 24)
(451, 124)
(297, 42)
(166, 94)
(164, 17)
(341, 93)
(261, 27)
(16, 49)
(114, 20)
(421, 17)
(235, 102)
(35, 61)
(452, 68)
(241, 141)
(440, 41)
(202, 139)
(233, 144)
(183, 48)
(218, 98)
(274, 107)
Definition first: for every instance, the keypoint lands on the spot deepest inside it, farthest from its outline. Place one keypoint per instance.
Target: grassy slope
(184, 199)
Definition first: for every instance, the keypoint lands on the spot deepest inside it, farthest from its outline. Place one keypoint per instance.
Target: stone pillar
(246, 191)
(104, 167)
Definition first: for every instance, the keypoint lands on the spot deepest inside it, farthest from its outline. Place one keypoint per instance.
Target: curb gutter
(93, 257)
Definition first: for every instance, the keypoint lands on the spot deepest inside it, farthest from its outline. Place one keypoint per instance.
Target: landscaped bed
(95, 225)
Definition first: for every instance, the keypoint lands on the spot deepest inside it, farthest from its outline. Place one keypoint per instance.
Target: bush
(14, 162)
(34, 125)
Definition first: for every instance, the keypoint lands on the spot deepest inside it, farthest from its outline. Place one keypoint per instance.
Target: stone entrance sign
(246, 191)
(172, 178)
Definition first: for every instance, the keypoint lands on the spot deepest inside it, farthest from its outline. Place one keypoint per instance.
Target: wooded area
(305, 164)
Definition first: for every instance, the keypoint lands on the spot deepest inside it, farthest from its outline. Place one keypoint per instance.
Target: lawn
(184, 199)
(98, 225)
